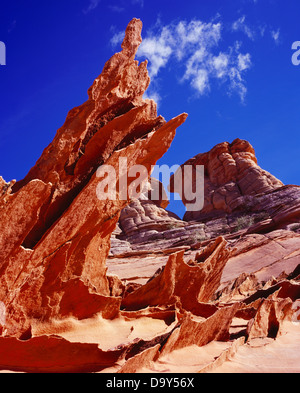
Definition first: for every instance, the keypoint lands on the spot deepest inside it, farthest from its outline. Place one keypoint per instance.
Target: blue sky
(226, 63)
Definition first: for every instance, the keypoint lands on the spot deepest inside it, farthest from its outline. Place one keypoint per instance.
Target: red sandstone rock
(231, 172)
(199, 331)
(190, 284)
(143, 359)
(53, 355)
(269, 317)
(66, 229)
(264, 255)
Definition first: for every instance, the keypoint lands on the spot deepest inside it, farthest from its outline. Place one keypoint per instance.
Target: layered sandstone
(55, 231)
(231, 173)
(234, 183)
(259, 218)
(239, 196)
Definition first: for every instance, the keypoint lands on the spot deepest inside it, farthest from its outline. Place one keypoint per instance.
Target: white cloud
(92, 5)
(116, 8)
(220, 64)
(196, 33)
(158, 52)
(254, 32)
(262, 30)
(117, 38)
(194, 62)
(195, 51)
(194, 48)
(201, 81)
(152, 95)
(240, 25)
(237, 83)
(275, 35)
(244, 61)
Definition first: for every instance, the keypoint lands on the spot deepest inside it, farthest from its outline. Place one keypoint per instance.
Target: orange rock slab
(46, 354)
(190, 284)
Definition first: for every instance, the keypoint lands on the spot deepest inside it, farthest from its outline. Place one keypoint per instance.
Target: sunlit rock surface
(127, 285)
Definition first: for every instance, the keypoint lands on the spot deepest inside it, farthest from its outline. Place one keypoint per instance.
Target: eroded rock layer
(55, 232)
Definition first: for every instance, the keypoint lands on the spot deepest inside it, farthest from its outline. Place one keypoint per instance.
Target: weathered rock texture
(234, 183)
(124, 284)
(55, 233)
(231, 174)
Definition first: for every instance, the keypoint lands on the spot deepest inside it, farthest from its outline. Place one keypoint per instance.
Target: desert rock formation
(127, 285)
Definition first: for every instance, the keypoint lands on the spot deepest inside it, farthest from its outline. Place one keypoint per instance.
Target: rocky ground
(128, 286)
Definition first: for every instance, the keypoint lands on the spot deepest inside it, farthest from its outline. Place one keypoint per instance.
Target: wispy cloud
(91, 6)
(255, 32)
(197, 51)
(157, 50)
(275, 34)
(117, 38)
(152, 94)
(244, 61)
(196, 47)
(241, 26)
(116, 8)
